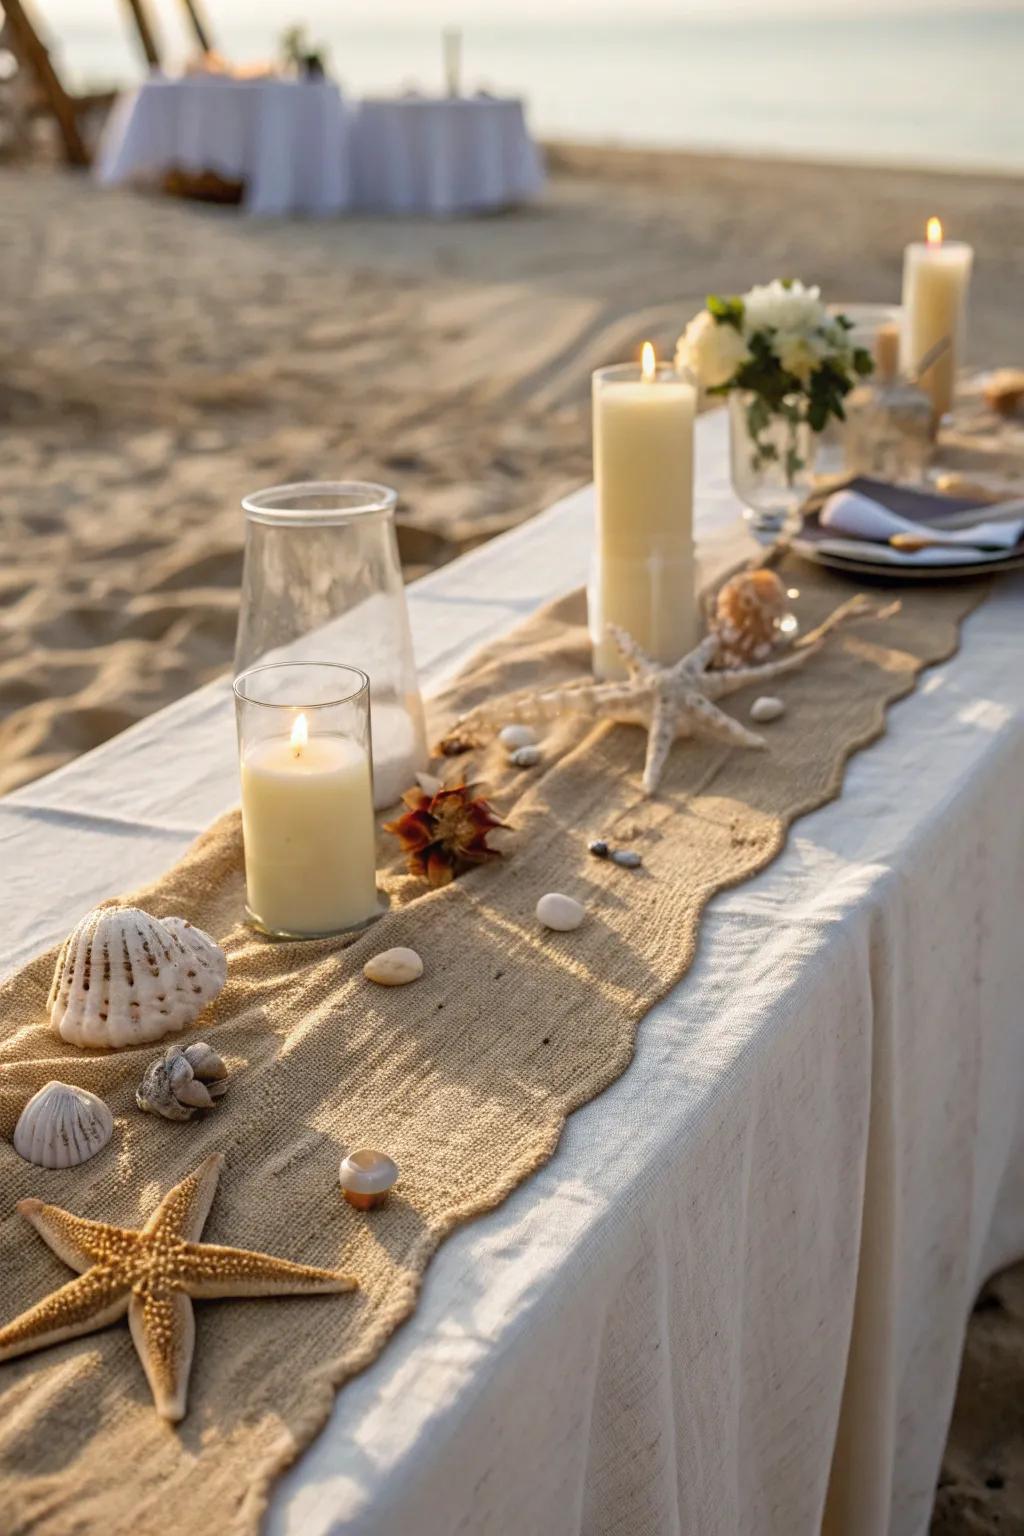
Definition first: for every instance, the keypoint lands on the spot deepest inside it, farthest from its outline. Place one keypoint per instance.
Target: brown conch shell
(749, 611)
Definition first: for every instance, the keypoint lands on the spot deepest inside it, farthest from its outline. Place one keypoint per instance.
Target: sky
(374, 13)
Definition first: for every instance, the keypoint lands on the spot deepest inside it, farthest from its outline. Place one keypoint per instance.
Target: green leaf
(727, 311)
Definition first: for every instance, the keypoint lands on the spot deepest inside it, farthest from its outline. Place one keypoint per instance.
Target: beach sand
(159, 359)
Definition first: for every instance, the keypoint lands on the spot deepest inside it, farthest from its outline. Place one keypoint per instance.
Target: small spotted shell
(749, 611)
(124, 978)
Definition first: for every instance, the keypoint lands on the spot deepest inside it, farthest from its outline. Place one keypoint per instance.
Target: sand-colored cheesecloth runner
(465, 1077)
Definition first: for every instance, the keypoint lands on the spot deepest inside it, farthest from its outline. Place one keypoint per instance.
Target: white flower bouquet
(782, 347)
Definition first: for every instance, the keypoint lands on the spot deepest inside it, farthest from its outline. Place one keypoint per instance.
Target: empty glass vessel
(322, 581)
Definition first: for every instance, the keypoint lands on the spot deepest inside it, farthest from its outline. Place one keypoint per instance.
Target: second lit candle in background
(643, 578)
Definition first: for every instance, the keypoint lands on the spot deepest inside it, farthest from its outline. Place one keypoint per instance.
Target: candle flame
(300, 734)
(648, 362)
(934, 235)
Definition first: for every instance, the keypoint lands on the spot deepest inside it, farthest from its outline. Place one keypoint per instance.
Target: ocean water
(923, 86)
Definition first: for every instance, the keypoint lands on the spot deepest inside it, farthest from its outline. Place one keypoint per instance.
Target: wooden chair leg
(31, 54)
(199, 26)
(144, 27)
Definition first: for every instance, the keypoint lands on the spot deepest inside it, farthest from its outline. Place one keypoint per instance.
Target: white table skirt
(761, 1245)
(286, 139)
(463, 155)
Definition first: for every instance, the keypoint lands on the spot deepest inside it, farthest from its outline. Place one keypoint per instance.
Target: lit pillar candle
(643, 577)
(936, 276)
(307, 797)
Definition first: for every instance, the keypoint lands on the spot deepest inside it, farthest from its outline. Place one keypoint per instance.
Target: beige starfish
(670, 702)
(151, 1274)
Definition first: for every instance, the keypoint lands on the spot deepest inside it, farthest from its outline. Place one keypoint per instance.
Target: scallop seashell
(125, 978)
(62, 1126)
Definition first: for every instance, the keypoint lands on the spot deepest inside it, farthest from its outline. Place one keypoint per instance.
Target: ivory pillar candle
(936, 275)
(643, 577)
(307, 811)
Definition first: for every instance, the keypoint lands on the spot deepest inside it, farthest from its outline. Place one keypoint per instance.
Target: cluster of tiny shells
(181, 1082)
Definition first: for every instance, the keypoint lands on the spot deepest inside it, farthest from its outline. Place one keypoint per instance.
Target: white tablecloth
(758, 1248)
(463, 155)
(286, 139)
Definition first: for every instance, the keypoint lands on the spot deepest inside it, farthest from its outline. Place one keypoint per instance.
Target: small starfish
(151, 1274)
(670, 702)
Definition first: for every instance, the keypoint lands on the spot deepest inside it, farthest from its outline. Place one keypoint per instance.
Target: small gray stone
(766, 708)
(525, 757)
(562, 913)
(394, 967)
(627, 858)
(513, 736)
(599, 848)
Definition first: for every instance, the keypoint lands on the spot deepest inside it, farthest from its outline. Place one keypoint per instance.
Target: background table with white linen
(287, 140)
(464, 154)
(743, 1279)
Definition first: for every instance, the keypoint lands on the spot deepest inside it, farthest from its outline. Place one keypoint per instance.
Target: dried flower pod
(444, 834)
(749, 611)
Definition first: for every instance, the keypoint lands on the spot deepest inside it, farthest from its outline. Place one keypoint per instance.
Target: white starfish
(670, 702)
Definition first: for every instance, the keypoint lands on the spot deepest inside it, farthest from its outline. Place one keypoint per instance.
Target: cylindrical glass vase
(321, 579)
(643, 577)
(307, 798)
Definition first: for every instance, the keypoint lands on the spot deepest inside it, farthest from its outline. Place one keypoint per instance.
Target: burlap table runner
(465, 1077)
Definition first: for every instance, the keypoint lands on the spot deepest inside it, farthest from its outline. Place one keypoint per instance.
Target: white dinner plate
(861, 559)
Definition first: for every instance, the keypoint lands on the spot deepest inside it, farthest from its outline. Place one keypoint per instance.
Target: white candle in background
(936, 276)
(643, 576)
(307, 824)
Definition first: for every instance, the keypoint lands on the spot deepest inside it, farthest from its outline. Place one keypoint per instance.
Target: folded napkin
(859, 517)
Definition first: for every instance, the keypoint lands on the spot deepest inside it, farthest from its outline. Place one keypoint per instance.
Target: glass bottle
(889, 420)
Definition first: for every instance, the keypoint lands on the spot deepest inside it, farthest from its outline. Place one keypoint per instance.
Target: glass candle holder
(307, 798)
(643, 575)
(322, 578)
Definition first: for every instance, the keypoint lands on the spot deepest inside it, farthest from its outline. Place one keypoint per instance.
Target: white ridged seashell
(125, 978)
(563, 913)
(62, 1126)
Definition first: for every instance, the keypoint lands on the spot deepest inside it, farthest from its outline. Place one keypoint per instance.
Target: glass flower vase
(771, 457)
